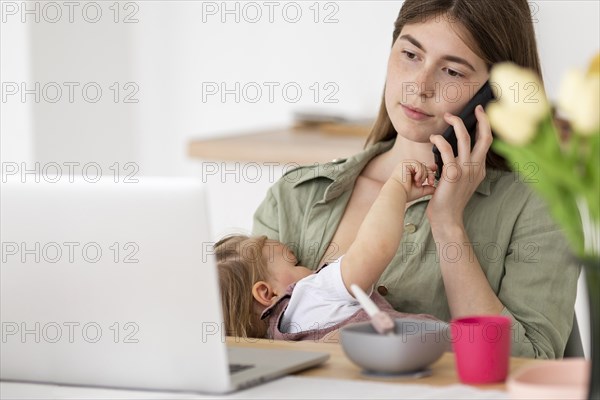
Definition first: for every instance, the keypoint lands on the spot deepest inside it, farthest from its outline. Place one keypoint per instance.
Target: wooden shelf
(292, 145)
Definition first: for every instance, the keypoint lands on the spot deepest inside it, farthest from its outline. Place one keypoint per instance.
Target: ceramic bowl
(415, 344)
(553, 379)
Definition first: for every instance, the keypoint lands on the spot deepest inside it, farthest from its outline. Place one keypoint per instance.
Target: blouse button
(382, 290)
(410, 228)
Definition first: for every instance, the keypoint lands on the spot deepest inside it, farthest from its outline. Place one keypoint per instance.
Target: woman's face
(430, 71)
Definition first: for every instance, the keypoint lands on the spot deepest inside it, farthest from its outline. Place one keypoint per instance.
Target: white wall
(568, 34)
(175, 60)
(16, 119)
(93, 126)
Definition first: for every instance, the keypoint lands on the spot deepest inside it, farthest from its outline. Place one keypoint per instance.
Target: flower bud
(521, 103)
(579, 100)
(519, 88)
(510, 125)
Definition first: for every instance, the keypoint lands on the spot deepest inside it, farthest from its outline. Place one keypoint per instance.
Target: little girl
(266, 294)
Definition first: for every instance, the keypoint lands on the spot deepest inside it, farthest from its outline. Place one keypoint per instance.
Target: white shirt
(319, 301)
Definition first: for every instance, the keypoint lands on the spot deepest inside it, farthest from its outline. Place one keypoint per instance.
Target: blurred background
(124, 88)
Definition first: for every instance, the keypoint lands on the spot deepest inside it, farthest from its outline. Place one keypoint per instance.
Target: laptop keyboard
(233, 368)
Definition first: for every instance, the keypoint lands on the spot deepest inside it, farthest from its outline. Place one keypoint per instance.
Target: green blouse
(523, 254)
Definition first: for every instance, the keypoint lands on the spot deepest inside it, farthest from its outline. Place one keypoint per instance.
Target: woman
(483, 243)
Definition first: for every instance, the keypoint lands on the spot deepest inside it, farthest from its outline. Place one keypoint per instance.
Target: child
(266, 294)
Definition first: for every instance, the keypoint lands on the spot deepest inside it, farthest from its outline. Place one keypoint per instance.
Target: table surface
(340, 367)
(442, 383)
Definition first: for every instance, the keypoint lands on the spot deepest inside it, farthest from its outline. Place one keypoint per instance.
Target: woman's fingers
(444, 148)
(483, 136)
(465, 155)
(463, 140)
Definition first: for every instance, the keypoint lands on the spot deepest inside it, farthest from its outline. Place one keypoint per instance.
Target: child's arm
(380, 233)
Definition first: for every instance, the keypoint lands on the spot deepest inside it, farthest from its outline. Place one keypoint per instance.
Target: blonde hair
(496, 31)
(241, 264)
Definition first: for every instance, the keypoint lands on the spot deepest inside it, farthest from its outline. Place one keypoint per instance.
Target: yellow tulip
(512, 126)
(579, 99)
(521, 103)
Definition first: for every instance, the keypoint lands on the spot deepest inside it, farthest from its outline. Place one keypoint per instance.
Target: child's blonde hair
(241, 264)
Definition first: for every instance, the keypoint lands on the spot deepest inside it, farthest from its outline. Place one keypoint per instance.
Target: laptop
(115, 284)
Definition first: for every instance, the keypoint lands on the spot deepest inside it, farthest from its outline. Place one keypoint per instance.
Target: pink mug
(481, 347)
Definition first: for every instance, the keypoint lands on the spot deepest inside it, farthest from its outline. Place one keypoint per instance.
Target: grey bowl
(415, 344)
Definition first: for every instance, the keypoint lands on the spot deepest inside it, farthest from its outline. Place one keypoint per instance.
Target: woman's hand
(462, 174)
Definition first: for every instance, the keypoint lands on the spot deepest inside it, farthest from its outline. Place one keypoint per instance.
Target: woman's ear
(263, 293)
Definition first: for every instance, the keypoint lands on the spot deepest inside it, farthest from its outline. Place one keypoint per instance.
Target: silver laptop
(115, 284)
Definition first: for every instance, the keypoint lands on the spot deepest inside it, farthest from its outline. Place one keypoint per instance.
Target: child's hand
(416, 178)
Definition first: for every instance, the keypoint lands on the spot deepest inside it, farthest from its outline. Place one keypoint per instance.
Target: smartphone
(483, 96)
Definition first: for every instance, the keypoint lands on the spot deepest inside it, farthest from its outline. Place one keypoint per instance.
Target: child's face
(282, 265)
(431, 70)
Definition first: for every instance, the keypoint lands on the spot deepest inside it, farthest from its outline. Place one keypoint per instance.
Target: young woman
(483, 243)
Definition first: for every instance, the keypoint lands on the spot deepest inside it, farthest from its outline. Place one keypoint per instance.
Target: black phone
(483, 96)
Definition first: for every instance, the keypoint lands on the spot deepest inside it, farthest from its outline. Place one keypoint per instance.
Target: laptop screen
(110, 284)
